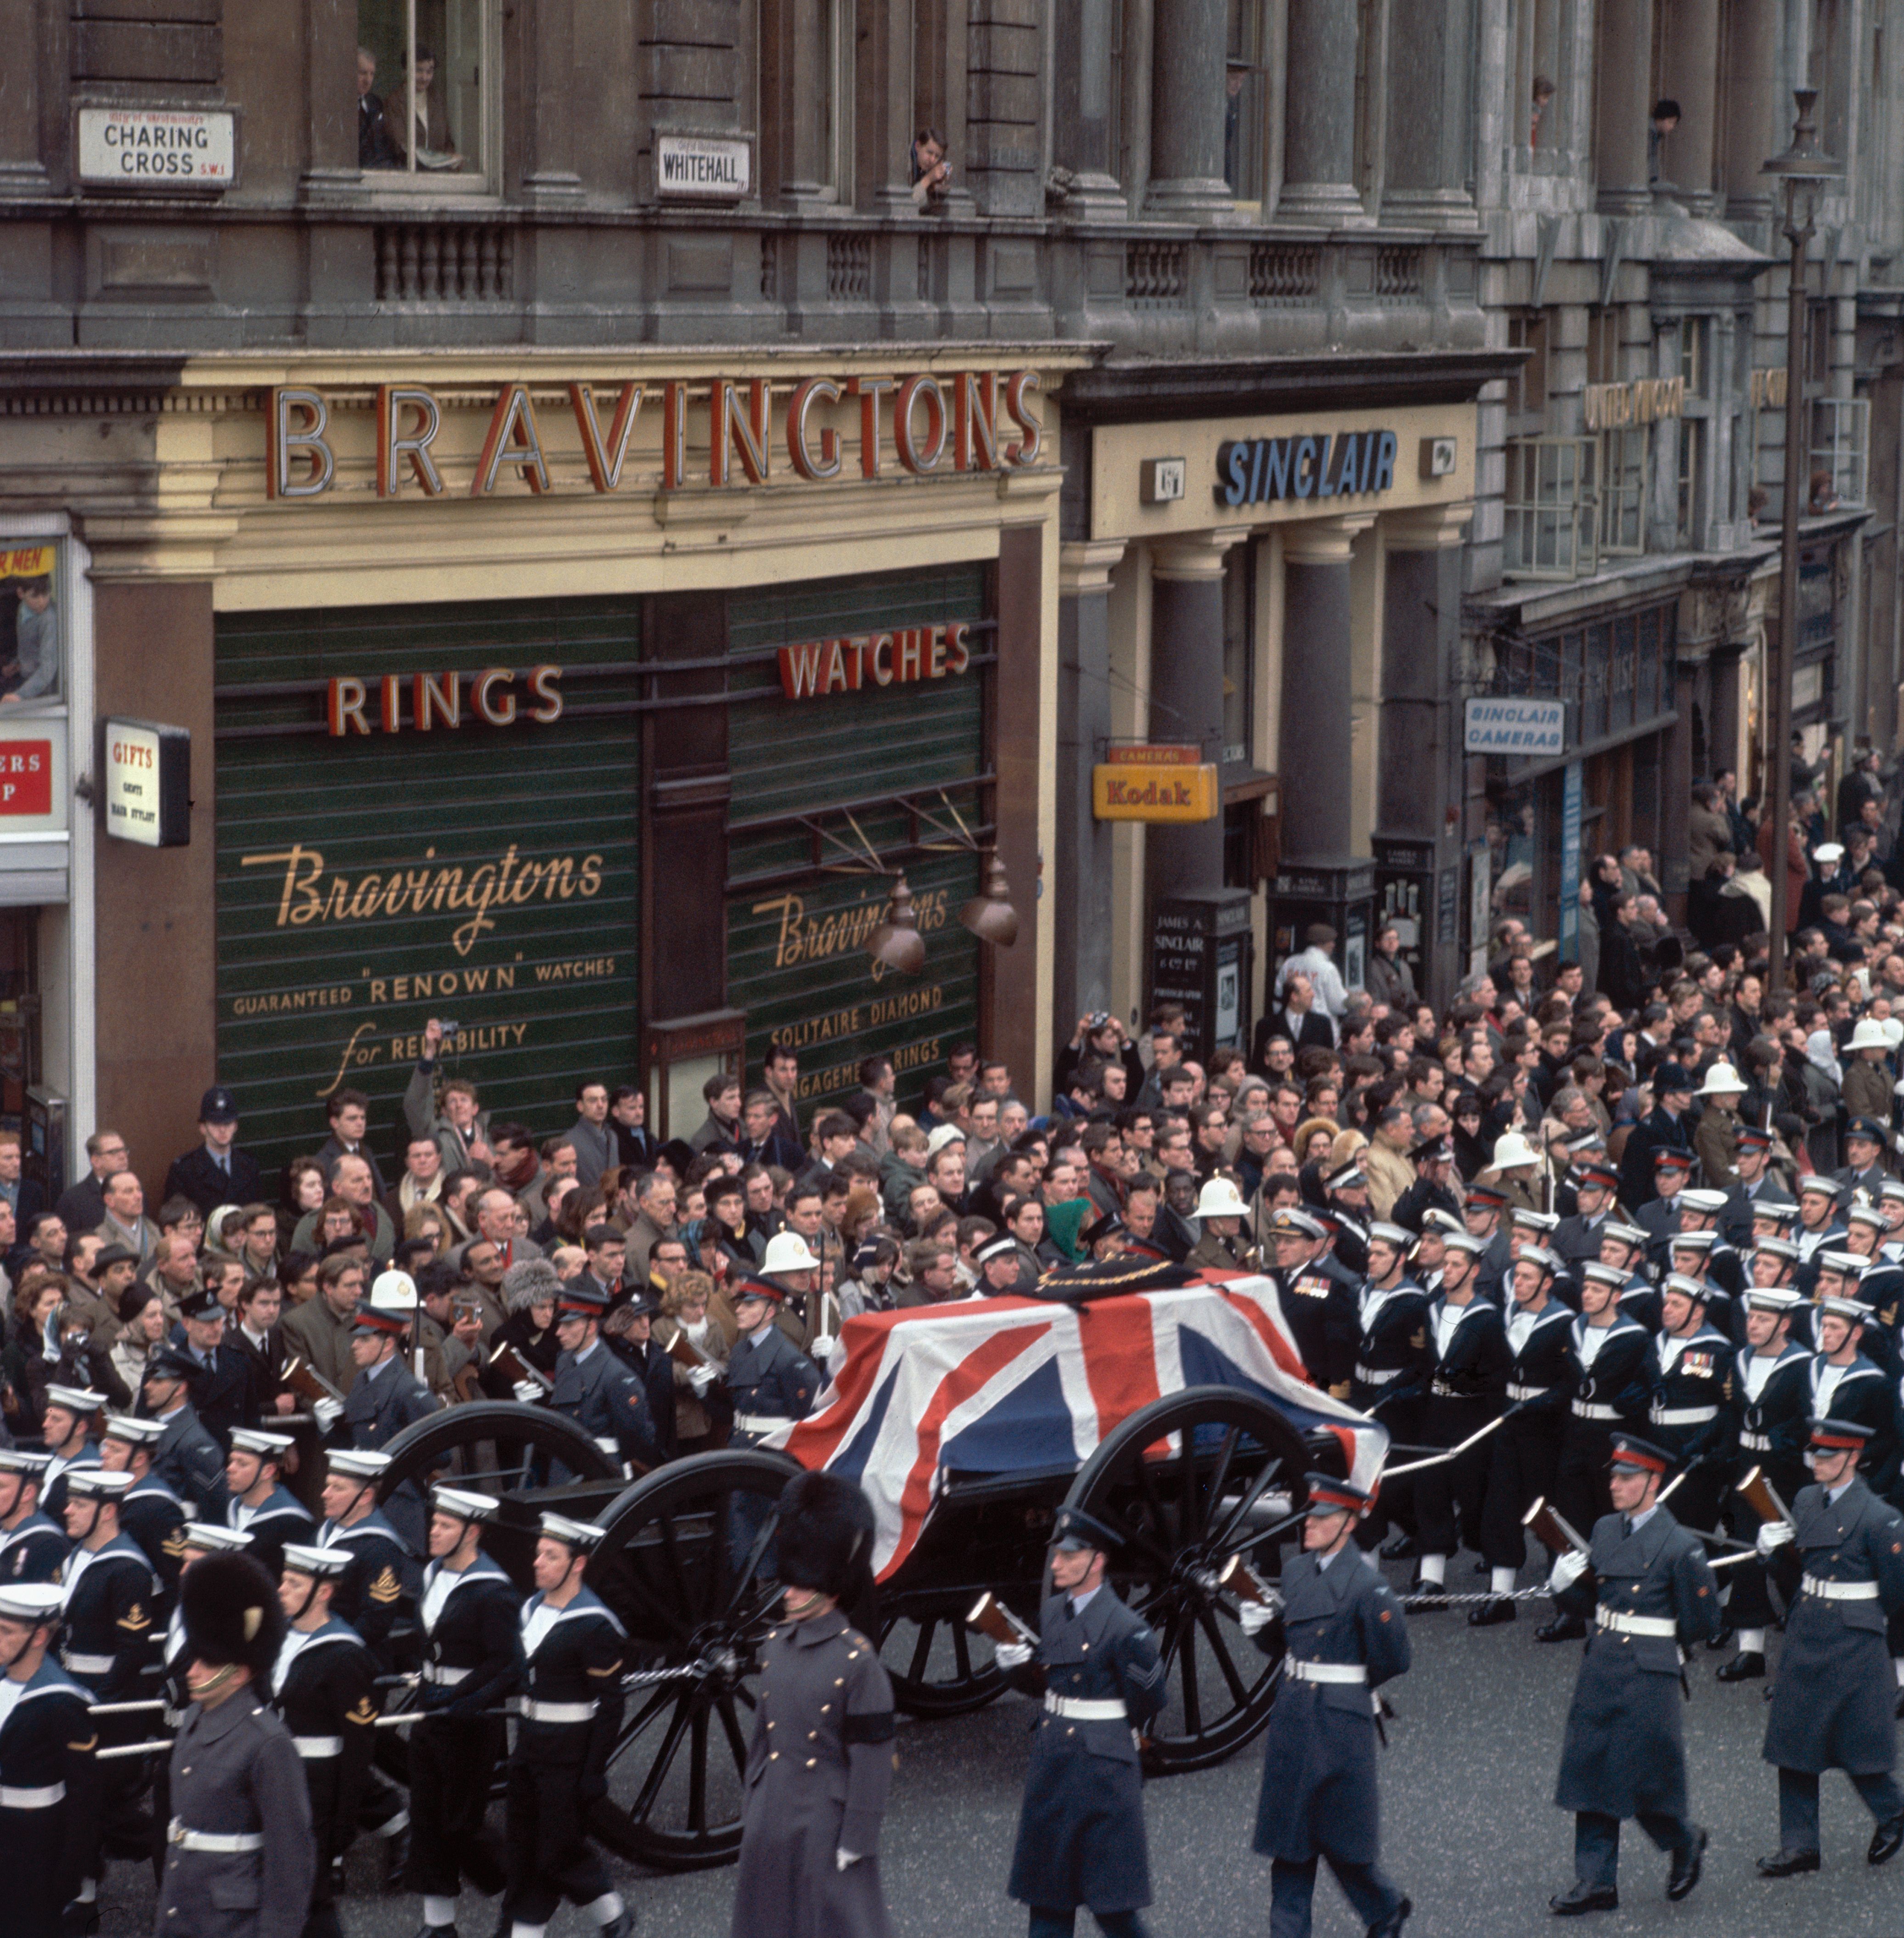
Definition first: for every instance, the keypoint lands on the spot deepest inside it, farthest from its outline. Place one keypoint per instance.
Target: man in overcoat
(1645, 1585)
(1839, 1563)
(1080, 1828)
(1345, 1636)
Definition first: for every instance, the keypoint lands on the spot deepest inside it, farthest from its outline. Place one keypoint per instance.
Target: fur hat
(825, 1536)
(232, 1613)
(530, 1282)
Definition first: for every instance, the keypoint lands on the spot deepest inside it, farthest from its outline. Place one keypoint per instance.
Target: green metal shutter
(796, 960)
(359, 880)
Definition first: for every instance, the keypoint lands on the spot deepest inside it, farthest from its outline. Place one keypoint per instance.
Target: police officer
(221, 1386)
(1646, 1586)
(1080, 1827)
(1839, 1562)
(49, 1782)
(323, 1685)
(32, 1547)
(261, 1506)
(1771, 1393)
(1691, 1413)
(109, 1592)
(472, 1662)
(594, 1387)
(184, 1457)
(572, 1649)
(1524, 1455)
(769, 1380)
(150, 1512)
(1345, 1636)
(386, 1396)
(234, 1771)
(69, 1430)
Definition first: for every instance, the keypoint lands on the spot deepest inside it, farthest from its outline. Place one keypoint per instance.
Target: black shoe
(1723, 1639)
(1492, 1614)
(1562, 1628)
(436, 1931)
(1584, 1897)
(80, 1920)
(1390, 1926)
(1401, 1548)
(1426, 1597)
(1747, 1665)
(1899, 1712)
(1687, 1865)
(1886, 1840)
(1788, 1863)
(624, 1925)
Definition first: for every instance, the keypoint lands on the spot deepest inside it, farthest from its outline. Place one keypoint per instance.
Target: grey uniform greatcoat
(1080, 1828)
(819, 1773)
(1319, 1793)
(1833, 1707)
(234, 1772)
(1625, 1749)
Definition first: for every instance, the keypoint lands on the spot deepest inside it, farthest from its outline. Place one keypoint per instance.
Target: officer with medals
(235, 1775)
(1318, 1298)
(184, 1455)
(1080, 1828)
(1648, 1588)
(1700, 1212)
(323, 1686)
(1342, 1635)
(1772, 1395)
(1691, 1413)
(49, 1781)
(69, 1431)
(32, 1547)
(149, 1512)
(1524, 1454)
(572, 1650)
(109, 1591)
(769, 1380)
(1839, 1561)
(261, 1506)
(468, 1613)
(820, 1764)
(593, 1387)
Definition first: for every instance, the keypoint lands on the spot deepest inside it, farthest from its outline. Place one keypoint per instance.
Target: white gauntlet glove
(327, 1412)
(1774, 1534)
(846, 1859)
(1255, 1617)
(1010, 1655)
(823, 1345)
(527, 1392)
(701, 1378)
(1567, 1568)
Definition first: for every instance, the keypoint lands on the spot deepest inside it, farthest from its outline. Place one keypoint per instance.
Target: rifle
(990, 1616)
(513, 1366)
(1245, 1583)
(1762, 1497)
(1549, 1527)
(302, 1377)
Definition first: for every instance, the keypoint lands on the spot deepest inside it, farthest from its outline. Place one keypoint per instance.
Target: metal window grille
(1549, 515)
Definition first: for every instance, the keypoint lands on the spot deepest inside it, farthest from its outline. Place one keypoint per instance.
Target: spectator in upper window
(375, 148)
(1666, 119)
(931, 172)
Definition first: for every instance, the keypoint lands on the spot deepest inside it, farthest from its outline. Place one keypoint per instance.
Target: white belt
(1588, 1409)
(1840, 1591)
(1528, 1393)
(761, 1423)
(314, 1749)
(1758, 1443)
(43, 1799)
(1379, 1376)
(88, 1665)
(1084, 1709)
(212, 1844)
(1682, 1415)
(1638, 1625)
(556, 1712)
(1324, 1671)
(444, 1678)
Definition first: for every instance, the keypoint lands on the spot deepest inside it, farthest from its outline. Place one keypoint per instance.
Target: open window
(427, 107)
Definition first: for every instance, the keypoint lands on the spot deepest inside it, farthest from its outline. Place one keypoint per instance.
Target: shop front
(605, 714)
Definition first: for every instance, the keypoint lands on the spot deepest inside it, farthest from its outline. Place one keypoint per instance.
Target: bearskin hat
(232, 1613)
(825, 1536)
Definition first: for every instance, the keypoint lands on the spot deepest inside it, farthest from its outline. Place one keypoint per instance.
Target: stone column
(1318, 689)
(330, 48)
(1692, 79)
(882, 119)
(1318, 116)
(795, 86)
(1188, 105)
(1081, 907)
(1430, 55)
(22, 171)
(1676, 780)
(549, 174)
(1753, 135)
(1080, 130)
(1186, 695)
(1624, 67)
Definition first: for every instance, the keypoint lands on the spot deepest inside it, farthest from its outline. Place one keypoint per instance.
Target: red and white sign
(25, 776)
(850, 665)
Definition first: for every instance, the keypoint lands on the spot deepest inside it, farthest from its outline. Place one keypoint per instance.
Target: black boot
(1723, 1639)
(1788, 1863)
(1886, 1842)
(1492, 1614)
(1563, 1628)
(1687, 1865)
(1584, 1897)
(1390, 1926)
(1747, 1665)
(1401, 1548)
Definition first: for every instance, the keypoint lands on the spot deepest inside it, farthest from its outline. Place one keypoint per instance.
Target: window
(1245, 144)
(1549, 523)
(1691, 435)
(1603, 347)
(1239, 651)
(1841, 433)
(1527, 388)
(424, 107)
(1818, 344)
(836, 18)
(1622, 490)
(1695, 362)
(32, 626)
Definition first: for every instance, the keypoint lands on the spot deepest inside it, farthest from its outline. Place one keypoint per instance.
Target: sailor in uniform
(69, 1431)
(32, 1547)
(261, 1506)
(1392, 1360)
(150, 1512)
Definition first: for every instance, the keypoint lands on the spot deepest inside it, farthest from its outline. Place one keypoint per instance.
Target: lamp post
(1803, 171)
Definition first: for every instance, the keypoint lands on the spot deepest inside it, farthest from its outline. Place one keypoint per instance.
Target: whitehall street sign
(1511, 726)
(693, 166)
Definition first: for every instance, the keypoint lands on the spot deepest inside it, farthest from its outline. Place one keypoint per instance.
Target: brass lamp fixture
(989, 915)
(897, 944)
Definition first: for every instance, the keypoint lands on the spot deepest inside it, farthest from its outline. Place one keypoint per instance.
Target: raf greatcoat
(819, 1770)
(1080, 1828)
(1833, 1706)
(1318, 1793)
(1625, 1748)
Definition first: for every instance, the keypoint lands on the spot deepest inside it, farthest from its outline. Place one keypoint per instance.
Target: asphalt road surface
(1469, 1827)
